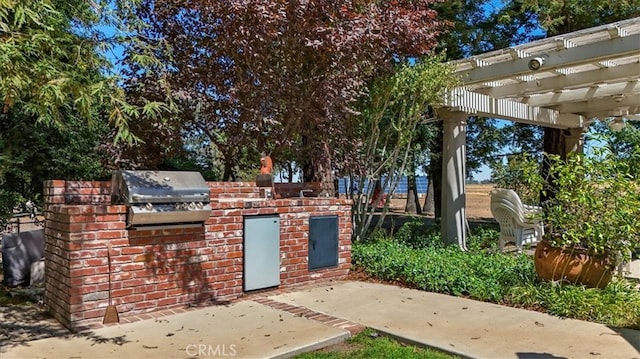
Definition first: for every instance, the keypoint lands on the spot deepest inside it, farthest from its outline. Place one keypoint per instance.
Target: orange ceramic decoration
(266, 165)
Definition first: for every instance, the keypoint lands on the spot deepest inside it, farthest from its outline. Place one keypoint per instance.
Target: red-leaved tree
(284, 76)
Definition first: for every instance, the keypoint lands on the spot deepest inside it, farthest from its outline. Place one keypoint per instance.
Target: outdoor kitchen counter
(175, 267)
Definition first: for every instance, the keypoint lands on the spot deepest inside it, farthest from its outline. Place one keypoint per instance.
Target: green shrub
(594, 206)
(483, 238)
(618, 304)
(418, 234)
(444, 270)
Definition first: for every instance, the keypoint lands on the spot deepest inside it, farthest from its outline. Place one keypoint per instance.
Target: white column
(454, 219)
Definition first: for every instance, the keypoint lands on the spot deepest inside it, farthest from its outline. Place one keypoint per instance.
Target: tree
(287, 74)
(563, 16)
(484, 140)
(50, 52)
(482, 26)
(478, 27)
(61, 105)
(624, 145)
(32, 153)
(47, 77)
(389, 117)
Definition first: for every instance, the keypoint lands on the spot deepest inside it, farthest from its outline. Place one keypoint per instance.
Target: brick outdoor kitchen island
(154, 269)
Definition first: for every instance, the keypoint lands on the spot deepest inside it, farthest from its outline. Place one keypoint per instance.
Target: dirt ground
(478, 202)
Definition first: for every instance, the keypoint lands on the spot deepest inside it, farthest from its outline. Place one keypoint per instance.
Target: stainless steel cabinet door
(261, 252)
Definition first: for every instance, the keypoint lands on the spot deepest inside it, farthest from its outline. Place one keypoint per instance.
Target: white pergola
(566, 82)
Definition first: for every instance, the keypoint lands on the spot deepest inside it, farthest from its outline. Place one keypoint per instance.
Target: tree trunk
(411, 207)
(228, 171)
(553, 144)
(429, 204)
(435, 172)
(317, 167)
(324, 170)
(308, 173)
(289, 172)
(413, 202)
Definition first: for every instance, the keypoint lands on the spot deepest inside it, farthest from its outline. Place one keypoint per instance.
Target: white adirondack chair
(518, 222)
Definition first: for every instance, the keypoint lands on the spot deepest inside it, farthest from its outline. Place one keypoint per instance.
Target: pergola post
(454, 219)
(574, 140)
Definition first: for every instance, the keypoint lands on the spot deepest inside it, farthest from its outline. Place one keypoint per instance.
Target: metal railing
(28, 220)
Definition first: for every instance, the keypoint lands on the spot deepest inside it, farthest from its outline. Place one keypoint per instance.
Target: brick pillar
(76, 236)
(76, 279)
(57, 281)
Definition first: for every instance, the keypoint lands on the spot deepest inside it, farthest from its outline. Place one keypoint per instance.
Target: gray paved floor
(466, 327)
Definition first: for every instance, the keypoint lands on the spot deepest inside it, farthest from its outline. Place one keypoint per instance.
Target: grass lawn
(369, 344)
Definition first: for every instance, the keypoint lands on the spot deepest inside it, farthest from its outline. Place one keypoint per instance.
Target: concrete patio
(285, 324)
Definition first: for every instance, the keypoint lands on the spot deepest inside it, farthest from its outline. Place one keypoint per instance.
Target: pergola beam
(584, 54)
(631, 88)
(598, 104)
(586, 78)
(477, 104)
(604, 113)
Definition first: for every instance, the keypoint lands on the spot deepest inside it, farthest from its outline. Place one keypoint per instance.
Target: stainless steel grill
(157, 198)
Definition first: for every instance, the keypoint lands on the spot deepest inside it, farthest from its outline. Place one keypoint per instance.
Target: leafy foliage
(445, 270)
(40, 58)
(624, 145)
(389, 118)
(483, 25)
(32, 153)
(484, 141)
(416, 234)
(521, 173)
(283, 76)
(595, 205)
(617, 305)
(562, 16)
(50, 57)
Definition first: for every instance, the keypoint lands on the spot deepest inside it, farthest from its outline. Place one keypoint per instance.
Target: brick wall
(161, 269)
(249, 189)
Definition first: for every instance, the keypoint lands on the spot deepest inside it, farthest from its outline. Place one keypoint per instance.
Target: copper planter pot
(571, 265)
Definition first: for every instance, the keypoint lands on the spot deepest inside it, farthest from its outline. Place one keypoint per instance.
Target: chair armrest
(529, 208)
(532, 212)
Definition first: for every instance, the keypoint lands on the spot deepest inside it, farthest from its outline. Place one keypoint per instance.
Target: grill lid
(162, 198)
(141, 187)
